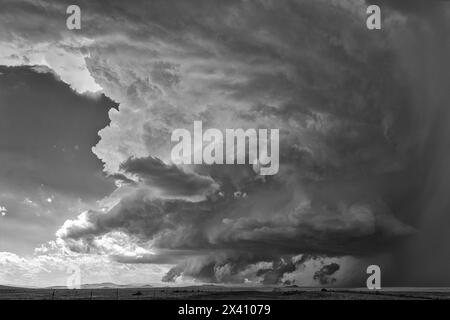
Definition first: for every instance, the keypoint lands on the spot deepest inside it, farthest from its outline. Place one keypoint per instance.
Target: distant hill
(3, 287)
(105, 285)
(6, 287)
(111, 285)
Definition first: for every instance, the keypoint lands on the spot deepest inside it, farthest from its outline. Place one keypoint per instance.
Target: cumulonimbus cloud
(324, 87)
(170, 179)
(345, 102)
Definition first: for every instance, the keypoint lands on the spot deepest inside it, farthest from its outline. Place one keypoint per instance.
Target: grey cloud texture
(362, 132)
(415, 7)
(331, 88)
(235, 233)
(172, 180)
(325, 273)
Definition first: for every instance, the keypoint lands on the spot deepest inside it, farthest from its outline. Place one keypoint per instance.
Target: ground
(219, 293)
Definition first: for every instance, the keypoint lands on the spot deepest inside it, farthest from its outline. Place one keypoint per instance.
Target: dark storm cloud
(173, 223)
(169, 178)
(217, 268)
(416, 7)
(24, 16)
(309, 68)
(324, 274)
(275, 273)
(424, 48)
(162, 257)
(234, 234)
(248, 224)
(363, 131)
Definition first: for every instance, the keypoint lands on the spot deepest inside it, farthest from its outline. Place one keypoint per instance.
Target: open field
(219, 293)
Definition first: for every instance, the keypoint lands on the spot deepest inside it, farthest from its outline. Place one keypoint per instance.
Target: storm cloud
(171, 179)
(363, 135)
(325, 273)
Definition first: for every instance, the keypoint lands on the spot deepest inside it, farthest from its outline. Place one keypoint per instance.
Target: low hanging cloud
(170, 179)
(324, 275)
(233, 232)
(237, 223)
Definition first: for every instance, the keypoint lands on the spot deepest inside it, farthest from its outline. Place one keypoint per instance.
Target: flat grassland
(222, 293)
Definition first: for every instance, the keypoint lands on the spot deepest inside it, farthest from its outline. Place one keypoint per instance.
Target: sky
(86, 118)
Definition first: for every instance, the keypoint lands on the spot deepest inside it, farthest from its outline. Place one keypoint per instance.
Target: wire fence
(109, 294)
